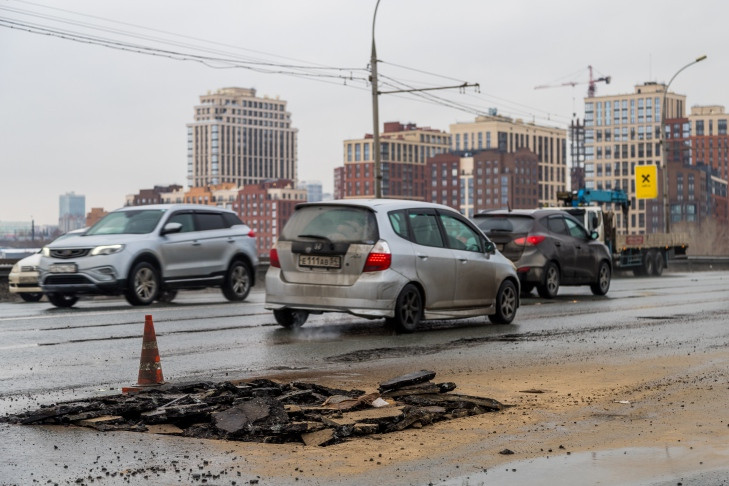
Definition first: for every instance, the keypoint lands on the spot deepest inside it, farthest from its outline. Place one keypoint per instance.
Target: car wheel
(142, 284)
(62, 300)
(290, 318)
(237, 283)
(408, 310)
(550, 286)
(659, 264)
(506, 301)
(166, 296)
(31, 296)
(648, 260)
(601, 286)
(526, 289)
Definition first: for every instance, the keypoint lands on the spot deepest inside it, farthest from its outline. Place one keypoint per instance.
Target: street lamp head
(699, 59)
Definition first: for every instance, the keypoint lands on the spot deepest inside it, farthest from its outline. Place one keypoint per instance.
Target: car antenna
(508, 205)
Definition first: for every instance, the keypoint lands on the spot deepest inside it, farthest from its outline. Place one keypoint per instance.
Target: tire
(408, 310)
(62, 300)
(31, 296)
(649, 259)
(290, 318)
(602, 285)
(142, 284)
(237, 283)
(506, 302)
(659, 264)
(166, 296)
(526, 289)
(550, 285)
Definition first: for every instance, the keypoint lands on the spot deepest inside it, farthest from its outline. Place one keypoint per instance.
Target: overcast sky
(105, 123)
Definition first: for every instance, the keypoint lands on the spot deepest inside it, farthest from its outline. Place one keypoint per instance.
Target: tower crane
(591, 89)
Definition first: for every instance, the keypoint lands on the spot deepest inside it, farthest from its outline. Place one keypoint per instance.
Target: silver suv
(147, 253)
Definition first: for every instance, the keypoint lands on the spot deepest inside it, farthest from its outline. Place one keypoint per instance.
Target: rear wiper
(499, 230)
(317, 237)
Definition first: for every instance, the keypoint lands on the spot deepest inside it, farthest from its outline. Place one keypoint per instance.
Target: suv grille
(66, 253)
(66, 280)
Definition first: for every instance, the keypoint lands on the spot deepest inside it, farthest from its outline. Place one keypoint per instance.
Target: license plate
(320, 261)
(63, 268)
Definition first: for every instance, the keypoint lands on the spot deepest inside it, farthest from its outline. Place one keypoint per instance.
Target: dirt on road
(675, 403)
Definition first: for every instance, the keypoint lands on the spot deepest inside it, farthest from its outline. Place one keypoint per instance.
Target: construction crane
(591, 89)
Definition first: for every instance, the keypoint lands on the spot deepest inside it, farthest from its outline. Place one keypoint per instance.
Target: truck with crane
(646, 254)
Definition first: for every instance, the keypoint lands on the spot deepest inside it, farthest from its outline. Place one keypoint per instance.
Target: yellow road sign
(646, 182)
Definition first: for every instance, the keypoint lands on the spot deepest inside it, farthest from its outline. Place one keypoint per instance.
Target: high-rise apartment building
(508, 135)
(709, 138)
(624, 131)
(240, 138)
(266, 207)
(488, 179)
(405, 148)
(72, 212)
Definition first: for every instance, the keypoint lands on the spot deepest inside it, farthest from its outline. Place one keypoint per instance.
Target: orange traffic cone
(150, 367)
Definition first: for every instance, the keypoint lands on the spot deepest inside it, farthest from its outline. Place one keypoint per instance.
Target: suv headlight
(46, 252)
(106, 250)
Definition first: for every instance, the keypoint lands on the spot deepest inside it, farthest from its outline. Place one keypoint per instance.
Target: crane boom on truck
(646, 254)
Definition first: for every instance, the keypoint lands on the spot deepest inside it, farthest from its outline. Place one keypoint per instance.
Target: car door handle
(558, 244)
(422, 257)
(196, 243)
(463, 260)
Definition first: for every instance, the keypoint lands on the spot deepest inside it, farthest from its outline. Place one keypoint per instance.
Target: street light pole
(664, 157)
(376, 112)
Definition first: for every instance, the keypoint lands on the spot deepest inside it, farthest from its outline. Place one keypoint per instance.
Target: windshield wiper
(316, 237)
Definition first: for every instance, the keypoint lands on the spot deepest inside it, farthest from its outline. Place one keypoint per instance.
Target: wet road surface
(51, 354)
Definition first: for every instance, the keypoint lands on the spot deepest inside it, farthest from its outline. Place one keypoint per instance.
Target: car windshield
(135, 222)
(503, 223)
(335, 223)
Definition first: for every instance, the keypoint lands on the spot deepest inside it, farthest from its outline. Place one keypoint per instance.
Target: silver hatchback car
(404, 261)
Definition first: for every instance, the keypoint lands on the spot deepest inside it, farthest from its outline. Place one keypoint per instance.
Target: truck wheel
(550, 286)
(649, 259)
(601, 286)
(659, 264)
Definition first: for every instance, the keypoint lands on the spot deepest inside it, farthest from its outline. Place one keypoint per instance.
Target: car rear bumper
(373, 295)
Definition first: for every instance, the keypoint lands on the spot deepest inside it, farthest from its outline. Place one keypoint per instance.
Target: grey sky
(105, 123)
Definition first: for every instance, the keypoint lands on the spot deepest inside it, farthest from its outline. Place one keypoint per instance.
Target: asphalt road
(50, 354)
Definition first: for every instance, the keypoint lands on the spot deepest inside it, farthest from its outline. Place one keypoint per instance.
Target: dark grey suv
(550, 248)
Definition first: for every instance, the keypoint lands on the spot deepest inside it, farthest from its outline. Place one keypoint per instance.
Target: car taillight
(273, 258)
(530, 240)
(379, 258)
(252, 234)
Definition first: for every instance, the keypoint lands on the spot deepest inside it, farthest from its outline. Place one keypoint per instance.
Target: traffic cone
(150, 367)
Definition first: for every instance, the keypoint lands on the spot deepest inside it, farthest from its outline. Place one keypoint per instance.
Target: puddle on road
(627, 467)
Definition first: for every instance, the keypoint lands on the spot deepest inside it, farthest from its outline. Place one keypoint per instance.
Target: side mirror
(171, 228)
(490, 247)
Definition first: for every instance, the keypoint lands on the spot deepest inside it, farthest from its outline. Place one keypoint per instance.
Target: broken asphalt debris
(265, 411)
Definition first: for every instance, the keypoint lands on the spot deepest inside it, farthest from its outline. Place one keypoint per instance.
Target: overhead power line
(216, 55)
